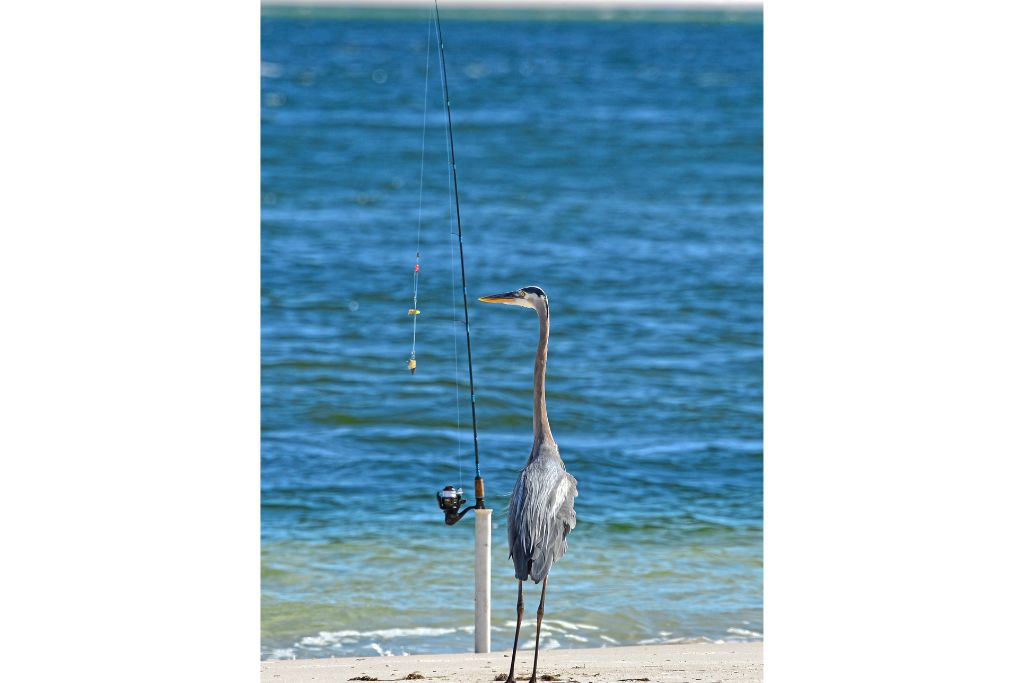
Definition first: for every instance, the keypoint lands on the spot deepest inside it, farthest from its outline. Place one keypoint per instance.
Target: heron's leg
(540, 616)
(515, 643)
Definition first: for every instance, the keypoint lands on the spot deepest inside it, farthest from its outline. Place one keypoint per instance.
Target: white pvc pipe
(482, 623)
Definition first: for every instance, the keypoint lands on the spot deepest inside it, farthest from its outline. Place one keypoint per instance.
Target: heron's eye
(521, 293)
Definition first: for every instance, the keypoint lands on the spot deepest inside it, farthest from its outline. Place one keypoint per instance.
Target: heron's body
(540, 515)
(540, 511)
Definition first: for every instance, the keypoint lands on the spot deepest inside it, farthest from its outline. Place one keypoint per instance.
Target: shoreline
(669, 663)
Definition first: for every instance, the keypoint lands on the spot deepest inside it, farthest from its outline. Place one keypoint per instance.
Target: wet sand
(676, 663)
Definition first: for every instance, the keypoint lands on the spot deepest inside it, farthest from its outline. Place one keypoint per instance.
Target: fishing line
(462, 259)
(455, 320)
(449, 499)
(415, 310)
(455, 328)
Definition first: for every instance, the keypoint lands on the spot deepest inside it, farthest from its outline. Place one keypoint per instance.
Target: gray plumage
(540, 515)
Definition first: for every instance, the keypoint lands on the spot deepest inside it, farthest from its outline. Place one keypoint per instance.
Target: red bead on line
(417, 268)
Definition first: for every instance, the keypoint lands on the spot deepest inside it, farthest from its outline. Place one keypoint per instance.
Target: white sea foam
(349, 636)
(663, 640)
(569, 625)
(421, 631)
(339, 640)
(324, 638)
(744, 632)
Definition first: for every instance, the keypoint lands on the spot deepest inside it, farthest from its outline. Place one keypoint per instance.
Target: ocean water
(615, 161)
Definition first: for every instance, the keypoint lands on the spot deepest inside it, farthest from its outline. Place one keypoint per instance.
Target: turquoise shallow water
(618, 165)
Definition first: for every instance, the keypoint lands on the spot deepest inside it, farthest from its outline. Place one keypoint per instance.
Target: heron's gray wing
(551, 545)
(541, 515)
(567, 513)
(519, 540)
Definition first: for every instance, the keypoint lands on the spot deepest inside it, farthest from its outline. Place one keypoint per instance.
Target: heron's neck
(542, 439)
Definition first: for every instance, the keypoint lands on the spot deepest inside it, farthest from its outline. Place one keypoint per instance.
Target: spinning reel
(450, 499)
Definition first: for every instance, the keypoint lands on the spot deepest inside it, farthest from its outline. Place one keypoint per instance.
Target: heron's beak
(506, 298)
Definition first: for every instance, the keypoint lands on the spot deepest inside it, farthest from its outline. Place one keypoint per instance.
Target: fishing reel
(450, 499)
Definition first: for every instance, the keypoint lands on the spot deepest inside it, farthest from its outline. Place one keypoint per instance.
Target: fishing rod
(450, 499)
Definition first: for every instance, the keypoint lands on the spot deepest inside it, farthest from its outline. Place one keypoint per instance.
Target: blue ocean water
(616, 162)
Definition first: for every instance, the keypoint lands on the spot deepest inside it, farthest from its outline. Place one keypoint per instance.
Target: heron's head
(527, 297)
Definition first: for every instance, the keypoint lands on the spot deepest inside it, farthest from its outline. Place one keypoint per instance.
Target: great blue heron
(540, 512)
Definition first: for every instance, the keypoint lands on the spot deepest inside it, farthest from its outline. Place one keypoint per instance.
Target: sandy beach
(676, 663)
